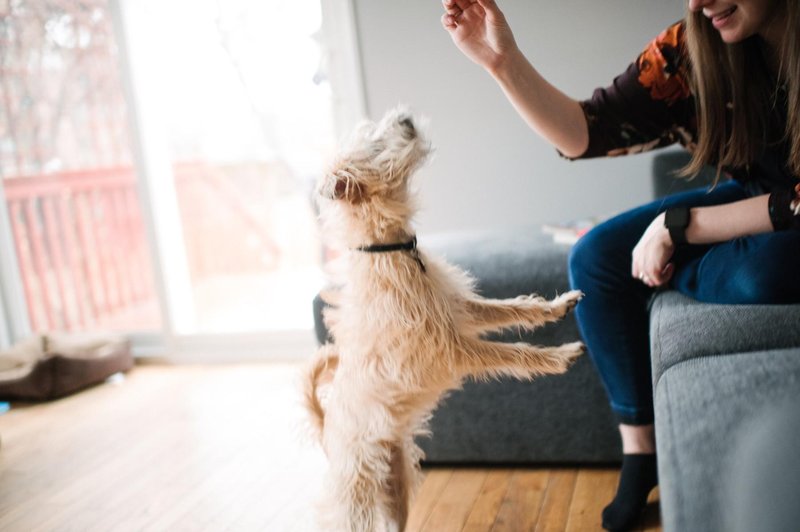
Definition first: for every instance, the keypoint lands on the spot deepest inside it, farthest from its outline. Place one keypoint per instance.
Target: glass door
(237, 94)
(73, 232)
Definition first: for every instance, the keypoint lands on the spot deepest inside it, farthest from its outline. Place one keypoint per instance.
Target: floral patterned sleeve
(648, 106)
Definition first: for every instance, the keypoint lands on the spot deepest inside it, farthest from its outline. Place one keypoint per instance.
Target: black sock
(638, 477)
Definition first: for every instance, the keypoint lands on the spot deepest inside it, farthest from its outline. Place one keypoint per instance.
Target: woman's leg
(755, 270)
(614, 322)
(613, 316)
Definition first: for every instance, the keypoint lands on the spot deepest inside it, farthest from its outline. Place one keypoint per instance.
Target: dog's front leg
(526, 311)
(481, 358)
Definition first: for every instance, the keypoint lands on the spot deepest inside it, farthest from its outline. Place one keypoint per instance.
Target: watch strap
(676, 220)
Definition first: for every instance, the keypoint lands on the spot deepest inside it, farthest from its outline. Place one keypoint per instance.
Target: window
(238, 89)
(65, 160)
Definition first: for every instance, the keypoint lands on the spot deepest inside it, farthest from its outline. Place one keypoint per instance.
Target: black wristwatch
(676, 220)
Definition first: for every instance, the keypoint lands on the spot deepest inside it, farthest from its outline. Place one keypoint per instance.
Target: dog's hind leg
(481, 358)
(399, 488)
(357, 499)
(525, 311)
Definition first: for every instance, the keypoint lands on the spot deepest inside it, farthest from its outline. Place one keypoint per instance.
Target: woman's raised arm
(480, 30)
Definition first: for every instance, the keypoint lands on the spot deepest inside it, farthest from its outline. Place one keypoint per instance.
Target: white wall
(489, 169)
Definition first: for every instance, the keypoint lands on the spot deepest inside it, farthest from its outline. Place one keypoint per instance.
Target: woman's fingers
(451, 8)
(459, 8)
(666, 275)
(463, 5)
(493, 12)
(648, 273)
(652, 276)
(452, 14)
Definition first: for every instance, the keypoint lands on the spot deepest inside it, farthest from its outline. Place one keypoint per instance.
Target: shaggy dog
(407, 328)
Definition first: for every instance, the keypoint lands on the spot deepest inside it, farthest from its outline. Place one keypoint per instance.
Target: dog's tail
(319, 371)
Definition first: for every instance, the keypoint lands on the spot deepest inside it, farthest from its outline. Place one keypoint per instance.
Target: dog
(407, 328)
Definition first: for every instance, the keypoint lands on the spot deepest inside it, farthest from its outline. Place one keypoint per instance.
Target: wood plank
(55, 447)
(651, 517)
(432, 487)
(558, 498)
(594, 489)
(490, 499)
(455, 502)
(215, 448)
(523, 501)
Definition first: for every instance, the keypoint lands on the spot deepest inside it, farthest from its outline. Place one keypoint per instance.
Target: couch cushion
(506, 264)
(555, 419)
(682, 328)
(702, 405)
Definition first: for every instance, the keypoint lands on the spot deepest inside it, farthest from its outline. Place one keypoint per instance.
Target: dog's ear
(341, 185)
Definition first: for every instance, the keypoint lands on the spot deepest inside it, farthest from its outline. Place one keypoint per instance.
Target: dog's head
(378, 161)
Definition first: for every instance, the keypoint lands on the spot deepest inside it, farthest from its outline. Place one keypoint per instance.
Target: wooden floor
(215, 448)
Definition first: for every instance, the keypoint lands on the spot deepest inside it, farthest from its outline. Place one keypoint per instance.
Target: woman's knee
(584, 254)
(595, 257)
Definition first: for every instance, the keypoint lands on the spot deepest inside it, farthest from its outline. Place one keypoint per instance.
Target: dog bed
(48, 366)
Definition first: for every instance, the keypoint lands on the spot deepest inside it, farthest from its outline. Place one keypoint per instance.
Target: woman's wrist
(505, 63)
(676, 222)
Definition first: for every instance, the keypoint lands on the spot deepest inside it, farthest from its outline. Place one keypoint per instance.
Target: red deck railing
(81, 245)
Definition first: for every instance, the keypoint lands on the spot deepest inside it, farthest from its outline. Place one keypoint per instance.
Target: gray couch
(716, 370)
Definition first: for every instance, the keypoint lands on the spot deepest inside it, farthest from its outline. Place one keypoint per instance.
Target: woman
(725, 83)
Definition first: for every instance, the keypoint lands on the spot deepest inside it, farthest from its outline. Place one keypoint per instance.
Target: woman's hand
(479, 30)
(651, 256)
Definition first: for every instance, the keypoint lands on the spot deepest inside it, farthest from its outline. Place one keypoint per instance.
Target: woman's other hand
(479, 29)
(651, 256)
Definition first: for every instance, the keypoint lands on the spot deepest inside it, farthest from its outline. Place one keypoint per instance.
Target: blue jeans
(613, 316)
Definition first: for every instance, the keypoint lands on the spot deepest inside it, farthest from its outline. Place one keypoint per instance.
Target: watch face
(676, 220)
(678, 217)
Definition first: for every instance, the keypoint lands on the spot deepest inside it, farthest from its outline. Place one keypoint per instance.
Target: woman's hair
(735, 93)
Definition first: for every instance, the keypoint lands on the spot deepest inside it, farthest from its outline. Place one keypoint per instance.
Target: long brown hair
(734, 93)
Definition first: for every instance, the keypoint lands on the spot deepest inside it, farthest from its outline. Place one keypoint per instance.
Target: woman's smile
(721, 19)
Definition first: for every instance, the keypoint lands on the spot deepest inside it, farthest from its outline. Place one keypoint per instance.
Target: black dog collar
(410, 246)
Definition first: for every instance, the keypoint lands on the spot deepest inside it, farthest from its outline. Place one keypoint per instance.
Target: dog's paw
(572, 351)
(564, 303)
(563, 356)
(575, 349)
